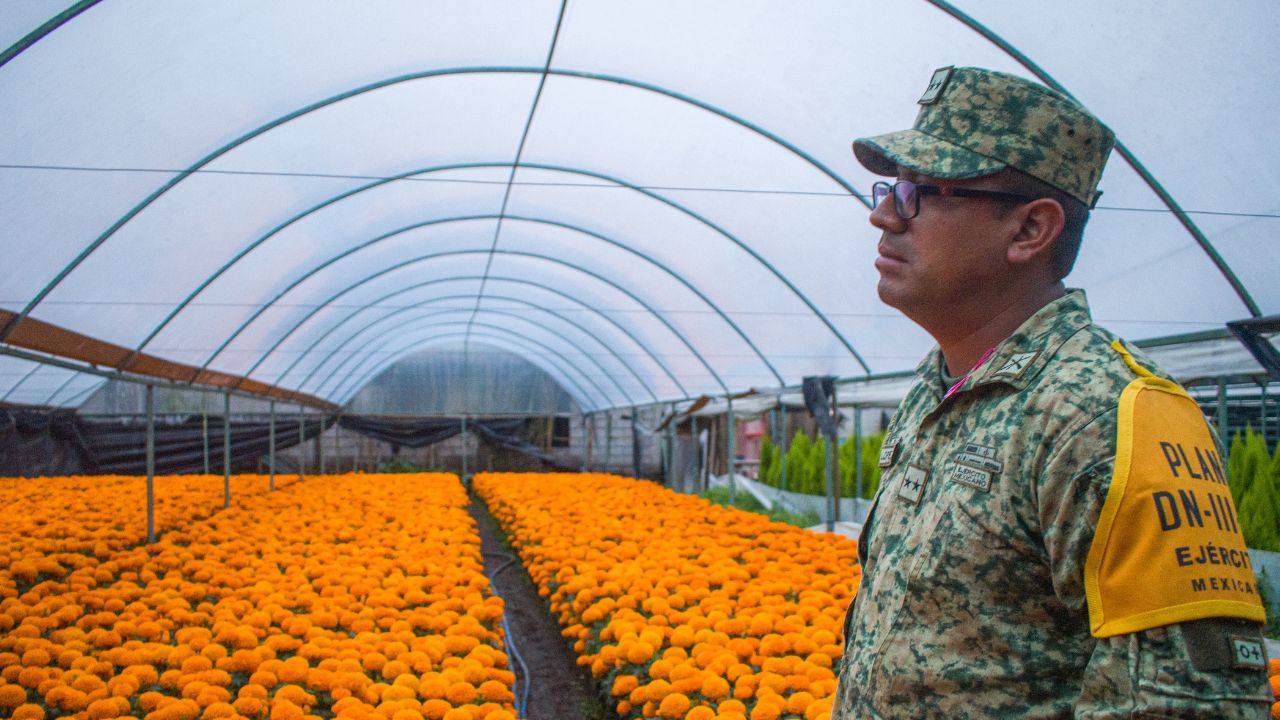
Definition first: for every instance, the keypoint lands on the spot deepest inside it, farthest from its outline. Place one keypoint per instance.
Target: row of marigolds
(681, 608)
(355, 596)
(65, 523)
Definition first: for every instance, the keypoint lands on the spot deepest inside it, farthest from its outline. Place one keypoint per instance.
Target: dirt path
(559, 689)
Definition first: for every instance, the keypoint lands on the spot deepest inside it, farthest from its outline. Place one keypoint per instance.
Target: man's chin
(889, 293)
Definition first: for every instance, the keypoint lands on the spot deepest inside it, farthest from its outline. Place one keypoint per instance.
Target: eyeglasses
(906, 195)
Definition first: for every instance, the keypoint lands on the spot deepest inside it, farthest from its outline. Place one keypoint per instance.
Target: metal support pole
(586, 445)
(636, 446)
(608, 438)
(302, 442)
(337, 430)
(226, 449)
(1222, 416)
(833, 462)
(782, 448)
(731, 432)
(671, 447)
(1262, 406)
(697, 449)
(151, 464)
(204, 429)
(320, 443)
(857, 463)
(464, 448)
(271, 446)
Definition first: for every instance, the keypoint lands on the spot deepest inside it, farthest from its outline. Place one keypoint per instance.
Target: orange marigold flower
(624, 684)
(11, 696)
(285, 710)
(435, 709)
(250, 707)
(28, 711)
(715, 687)
(497, 692)
(460, 693)
(674, 705)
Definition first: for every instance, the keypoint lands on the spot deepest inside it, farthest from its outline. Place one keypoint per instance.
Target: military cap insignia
(937, 84)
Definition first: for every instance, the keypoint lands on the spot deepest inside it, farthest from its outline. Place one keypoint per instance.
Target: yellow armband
(1168, 546)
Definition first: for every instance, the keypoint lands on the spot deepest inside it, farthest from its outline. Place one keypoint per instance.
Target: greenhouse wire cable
(547, 183)
(521, 706)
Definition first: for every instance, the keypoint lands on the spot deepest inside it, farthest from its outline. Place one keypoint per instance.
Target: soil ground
(558, 688)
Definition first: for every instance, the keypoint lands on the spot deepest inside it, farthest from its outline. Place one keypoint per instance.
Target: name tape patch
(888, 452)
(912, 486)
(966, 475)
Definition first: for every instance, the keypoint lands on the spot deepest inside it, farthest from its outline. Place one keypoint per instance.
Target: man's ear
(1041, 223)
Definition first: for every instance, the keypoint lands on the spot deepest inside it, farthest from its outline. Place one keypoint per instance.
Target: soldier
(1053, 536)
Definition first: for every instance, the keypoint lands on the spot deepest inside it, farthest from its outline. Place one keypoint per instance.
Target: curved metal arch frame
(13, 388)
(468, 218)
(639, 301)
(49, 400)
(48, 27)
(1187, 223)
(621, 328)
(543, 72)
(507, 344)
(582, 329)
(84, 394)
(346, 378)
(539, 166)
(495, 311)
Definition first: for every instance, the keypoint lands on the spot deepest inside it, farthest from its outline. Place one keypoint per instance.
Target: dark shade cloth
(41, 442)
(501, 433)
(119, 448)
(403, 431)
(818, 392)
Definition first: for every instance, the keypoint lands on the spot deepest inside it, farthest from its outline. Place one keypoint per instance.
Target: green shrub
(1254, 478)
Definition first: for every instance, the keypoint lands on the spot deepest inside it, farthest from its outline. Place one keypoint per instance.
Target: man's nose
(885, 218)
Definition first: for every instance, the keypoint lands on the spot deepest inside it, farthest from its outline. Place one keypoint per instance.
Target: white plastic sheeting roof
(650, 201)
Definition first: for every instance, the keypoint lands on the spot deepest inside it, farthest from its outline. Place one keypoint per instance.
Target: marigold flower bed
(681, 608)
(355, 596)
(57, 524)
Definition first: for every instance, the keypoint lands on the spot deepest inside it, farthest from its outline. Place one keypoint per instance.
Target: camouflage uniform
(972, 601)
(973, 596)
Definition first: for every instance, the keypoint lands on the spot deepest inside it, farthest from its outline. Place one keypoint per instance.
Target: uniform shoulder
(1094, 366)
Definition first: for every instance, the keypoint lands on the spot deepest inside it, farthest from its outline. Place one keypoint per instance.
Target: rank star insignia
(912, 486)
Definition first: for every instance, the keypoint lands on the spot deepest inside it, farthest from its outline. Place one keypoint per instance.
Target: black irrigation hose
(523, 706)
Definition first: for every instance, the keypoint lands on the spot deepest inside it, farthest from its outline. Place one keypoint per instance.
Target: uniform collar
(1018, 359)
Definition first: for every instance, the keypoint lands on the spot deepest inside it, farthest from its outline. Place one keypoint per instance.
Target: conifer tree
(797, 458)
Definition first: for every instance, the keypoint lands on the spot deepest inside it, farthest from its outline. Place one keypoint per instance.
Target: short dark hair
(1062, 257)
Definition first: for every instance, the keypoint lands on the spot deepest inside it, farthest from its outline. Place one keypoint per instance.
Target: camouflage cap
(976, 122)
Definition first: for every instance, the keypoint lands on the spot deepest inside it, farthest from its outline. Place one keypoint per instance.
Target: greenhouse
(255, 245)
